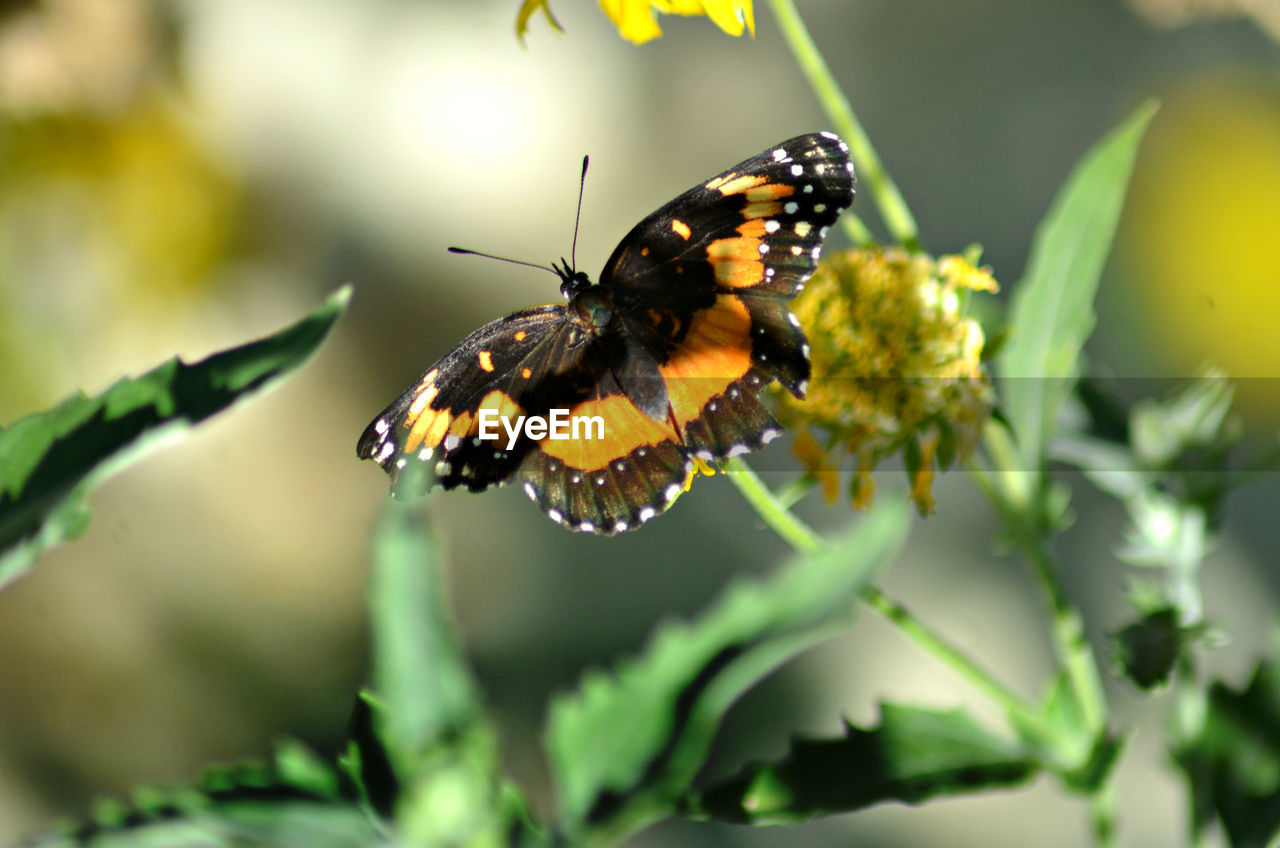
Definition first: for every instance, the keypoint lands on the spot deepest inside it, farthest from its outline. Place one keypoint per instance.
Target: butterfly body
(669, 350)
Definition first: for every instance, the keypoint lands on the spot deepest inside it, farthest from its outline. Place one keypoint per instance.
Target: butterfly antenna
(467, 252)
(582, 184)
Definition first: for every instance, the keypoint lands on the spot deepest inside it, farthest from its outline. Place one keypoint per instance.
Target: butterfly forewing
(518, 365)
(758, 226)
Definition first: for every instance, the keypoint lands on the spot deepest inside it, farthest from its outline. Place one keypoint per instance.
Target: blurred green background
(182, 176)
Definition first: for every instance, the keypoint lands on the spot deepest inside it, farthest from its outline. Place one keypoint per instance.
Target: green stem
(1102, 815)
(803, 538)
(897, 217)
(1070, 643)
(1014, 494)
(780, 519)
(795, 491)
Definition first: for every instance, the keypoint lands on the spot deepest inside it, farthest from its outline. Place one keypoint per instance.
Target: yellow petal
(731, 15)
(678, 7)
(527, 8)
(633, 18)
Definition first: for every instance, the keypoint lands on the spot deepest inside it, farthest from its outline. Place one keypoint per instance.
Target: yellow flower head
(637, 23)
(896, 367)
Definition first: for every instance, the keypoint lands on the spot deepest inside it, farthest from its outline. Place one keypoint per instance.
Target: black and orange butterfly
(663, 359)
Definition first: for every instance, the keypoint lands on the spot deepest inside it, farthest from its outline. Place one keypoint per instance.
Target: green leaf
(1149, 649)
(1051, 310)
(1233, 765)
(425, 710)
(626, 745)
(237, 807)
(912, 756)
(424, 688)
(49, 461)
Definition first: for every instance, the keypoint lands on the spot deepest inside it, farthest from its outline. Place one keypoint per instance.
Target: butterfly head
(572, 282)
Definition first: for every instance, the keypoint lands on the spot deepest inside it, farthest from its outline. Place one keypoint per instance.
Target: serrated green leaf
(1233, 764)
(912, 756)
(49, 461)
(626, 745)
(241, 806)
(1051, 310)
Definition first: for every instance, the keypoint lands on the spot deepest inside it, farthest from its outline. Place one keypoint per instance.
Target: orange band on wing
(715, 352)
(737, 185)
(428, 429)
(626, 428)
(736, 261)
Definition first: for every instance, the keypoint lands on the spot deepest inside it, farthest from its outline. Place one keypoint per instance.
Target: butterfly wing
(706, 281)
(756, 228)
(523, 364)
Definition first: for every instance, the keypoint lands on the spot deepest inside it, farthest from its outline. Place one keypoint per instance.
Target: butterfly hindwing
(613, 483)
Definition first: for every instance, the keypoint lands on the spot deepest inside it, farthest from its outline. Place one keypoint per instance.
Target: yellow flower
(637, 23)
(527, 8)
(896, 367)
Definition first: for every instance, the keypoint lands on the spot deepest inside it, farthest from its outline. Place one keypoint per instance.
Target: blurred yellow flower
(636, 21)
(1200, 267)
(896, 368)
(527, 8)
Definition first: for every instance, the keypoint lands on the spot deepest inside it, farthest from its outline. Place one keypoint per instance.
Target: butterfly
(662, 361)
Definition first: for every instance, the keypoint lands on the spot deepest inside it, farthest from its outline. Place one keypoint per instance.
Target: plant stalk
(803, 538)
(893, 209)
